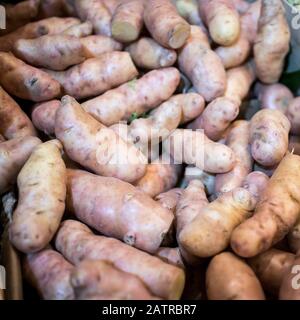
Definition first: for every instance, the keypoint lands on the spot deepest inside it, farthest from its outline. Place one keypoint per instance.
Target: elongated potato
(275, 214)
(269, 131)
(159, 177)
(96, 147)
(13, 154)
(193, 147)
(82, 81)
(148, 54)
(37, 29)
(230, 278)
(124, 212)
(221, 19)
(43, 116)
(136, 96)
(202, 65)
(49, 273)
(270, 267)
(76, 242)
(238, 139)
(170, 198)
(272, 41)
(55, 52)
(289, 289)
(42, 193)
(127, 21)
(100, 280)
(216, 117)
(95, 12)
(14, 123)
(25, 81)
(209, 232)
(166, 26)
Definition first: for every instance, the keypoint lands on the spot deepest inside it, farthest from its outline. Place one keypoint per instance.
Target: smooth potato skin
(136, 96)
(256, 182)
(275, 214)
(170, 198)
(171, 256)
(193, 147)
(42, 193)
(54, 52)
(147, 53)
(291, 277)
(230, 278)
(82, 81)
(269, 131)
(272, 42)
(100, 280)
(249, 21)
(270, 267)
(13, 154)
(43, 116)
(25, 81)
(49, 273)
(96, 147)
(14, 122)
(124, 212)
(202, 65)
(83, 29)
(77, 243)
(37, 29)
(165, 25)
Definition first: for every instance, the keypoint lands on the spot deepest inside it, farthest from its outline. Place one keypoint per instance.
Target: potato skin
(83, 29)
(290, 279)
(238, 140)
(14, 123)
(269, 131)
(25, 81)
(202, 65)
(136, 96)
(100, 280)
(222, 20)
(193, 147)
(230, 278)
(209, 232)
(104, 152)
(275, 214)
(36, 29)
(272, 41)
(148, 54)
(294, 237)
(49, 272)
(124, 212)
(158, 178)
(127, 20)
(42, 193)
(249, 21)
(13, 154)
(55, 52)
(165, 25)
(77, 243)
(171, 256)
(43, 116)
(270, 267)
(293, 115)
(170, 198)
(82, 81)
(256, 182)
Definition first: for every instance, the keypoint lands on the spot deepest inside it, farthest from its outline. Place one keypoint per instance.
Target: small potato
(13, 154)
(230, 278)
(14, 123)
(43, 116)
(269, 131)
(49, 273)
(82, 81)
(164, 23)
(148, 54)
(25, 81)
(42, 193)
(270, 267)
(101, 280)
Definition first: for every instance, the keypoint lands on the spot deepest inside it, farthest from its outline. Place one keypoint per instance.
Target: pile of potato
(95, 95)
